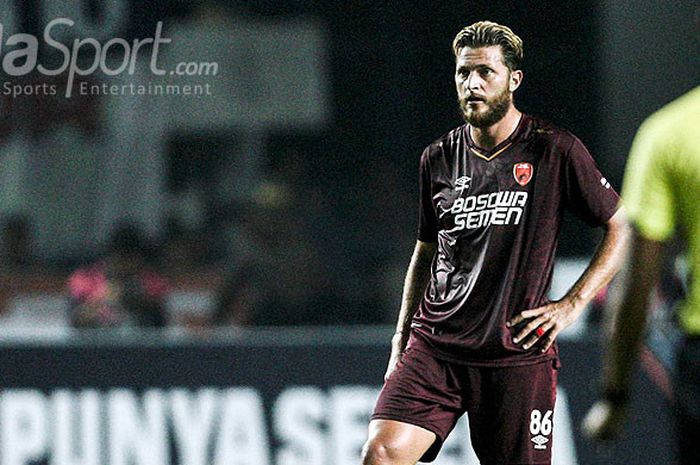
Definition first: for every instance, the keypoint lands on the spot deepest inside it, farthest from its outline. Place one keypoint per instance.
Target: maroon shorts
(510, 409)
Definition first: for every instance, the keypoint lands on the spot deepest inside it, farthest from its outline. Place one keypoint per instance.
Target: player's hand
(545, 323)
(603, 421)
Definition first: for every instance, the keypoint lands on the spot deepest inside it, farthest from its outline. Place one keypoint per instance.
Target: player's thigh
(424, 392)
(397, 443)
(514, 420)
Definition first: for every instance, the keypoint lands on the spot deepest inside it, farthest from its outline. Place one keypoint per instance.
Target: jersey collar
(489, 155)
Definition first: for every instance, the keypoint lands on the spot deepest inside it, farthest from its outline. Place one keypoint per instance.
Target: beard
(496, 109)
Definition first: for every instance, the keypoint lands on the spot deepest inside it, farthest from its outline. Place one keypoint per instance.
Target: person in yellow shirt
(661, 193)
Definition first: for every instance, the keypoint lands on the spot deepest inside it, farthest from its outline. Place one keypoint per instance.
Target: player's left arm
(546, 322)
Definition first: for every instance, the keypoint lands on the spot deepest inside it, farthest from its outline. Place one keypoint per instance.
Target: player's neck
(489, 137)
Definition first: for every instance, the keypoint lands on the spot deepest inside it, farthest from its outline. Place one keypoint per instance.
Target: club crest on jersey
(462, 183)
(522, 172)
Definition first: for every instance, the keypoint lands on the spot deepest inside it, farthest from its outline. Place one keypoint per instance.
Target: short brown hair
(487, 33)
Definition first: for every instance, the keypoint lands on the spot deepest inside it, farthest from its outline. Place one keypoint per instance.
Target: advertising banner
(276, 399)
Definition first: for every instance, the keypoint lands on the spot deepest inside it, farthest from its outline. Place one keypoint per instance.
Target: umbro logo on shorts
(540, 442)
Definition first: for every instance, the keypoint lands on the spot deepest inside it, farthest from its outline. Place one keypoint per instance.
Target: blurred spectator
(120, 290)
(15, 243)
(275, 274)
(15, 255)
(240, 298)
(182, 248)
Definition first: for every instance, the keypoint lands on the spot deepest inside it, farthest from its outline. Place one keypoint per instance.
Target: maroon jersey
(495, 216)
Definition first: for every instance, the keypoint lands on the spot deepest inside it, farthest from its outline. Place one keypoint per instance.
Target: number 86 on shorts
(540, 426)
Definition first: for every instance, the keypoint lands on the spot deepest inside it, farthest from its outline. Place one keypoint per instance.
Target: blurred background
(198, 169)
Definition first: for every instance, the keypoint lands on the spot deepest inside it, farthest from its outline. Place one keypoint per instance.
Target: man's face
(485, 85)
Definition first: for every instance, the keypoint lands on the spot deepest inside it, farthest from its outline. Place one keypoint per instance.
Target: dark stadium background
(594, 67)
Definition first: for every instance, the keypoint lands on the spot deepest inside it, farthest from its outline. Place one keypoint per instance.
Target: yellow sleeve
(647, 190)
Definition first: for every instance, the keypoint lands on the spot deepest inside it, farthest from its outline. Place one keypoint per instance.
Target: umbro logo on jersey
(605, 183)
(462, 183)
(540, 442)
(522, 172)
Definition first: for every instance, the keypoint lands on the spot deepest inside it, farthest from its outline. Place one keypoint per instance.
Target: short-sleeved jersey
(496, 218)
(661, 187)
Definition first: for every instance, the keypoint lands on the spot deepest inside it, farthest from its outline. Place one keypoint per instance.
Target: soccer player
(661, 193)
(476, 331)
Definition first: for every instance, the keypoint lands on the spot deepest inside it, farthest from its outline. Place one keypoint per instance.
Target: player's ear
(516, 77)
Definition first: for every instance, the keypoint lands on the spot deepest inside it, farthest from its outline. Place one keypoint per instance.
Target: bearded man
(476, 332)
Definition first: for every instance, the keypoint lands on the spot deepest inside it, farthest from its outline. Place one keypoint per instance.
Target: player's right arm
(417, 278)
(650, 187)
(630, 310)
